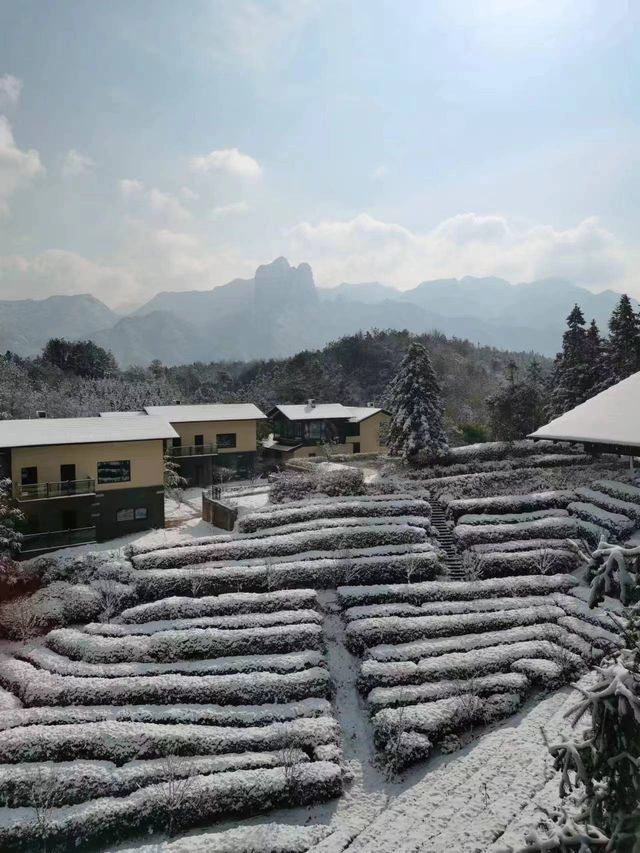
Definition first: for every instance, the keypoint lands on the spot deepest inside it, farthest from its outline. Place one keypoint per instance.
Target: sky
(150, 145)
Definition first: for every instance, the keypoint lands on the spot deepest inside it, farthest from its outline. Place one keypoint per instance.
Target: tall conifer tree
(623, 346)
(415, 400)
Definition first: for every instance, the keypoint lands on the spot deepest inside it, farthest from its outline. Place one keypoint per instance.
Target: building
(208, 437)
(83, 480)
(303, 430)
(607, 423)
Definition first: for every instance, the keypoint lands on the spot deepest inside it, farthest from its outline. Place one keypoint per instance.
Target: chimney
(41, 414)
(311, 403)
(369, 405)
(176, 402)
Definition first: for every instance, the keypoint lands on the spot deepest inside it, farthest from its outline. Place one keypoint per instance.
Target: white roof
(207, 412)
(43, 431)
(320, 411)
(611, 417)
(132, 414)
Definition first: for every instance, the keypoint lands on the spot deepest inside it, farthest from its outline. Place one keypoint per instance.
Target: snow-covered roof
(611, 417)
(137, 413)
(208, 412)
(329, 411)
(43, 431)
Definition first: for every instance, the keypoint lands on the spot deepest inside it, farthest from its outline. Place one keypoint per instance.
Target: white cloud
(10, 89)
(380, 172)
(228, 160)
(257, 35)
(130, 187)
(167, 205)
(364, 249)
(226, 209)
(75, 164)
(17, 167)
(189, 194)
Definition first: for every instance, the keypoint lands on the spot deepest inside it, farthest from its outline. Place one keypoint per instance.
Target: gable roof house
(208, 436)
(81, 480)
(301, 430)
(607, 423)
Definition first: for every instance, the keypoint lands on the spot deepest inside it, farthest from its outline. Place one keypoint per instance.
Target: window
(176, 442)
(29, 476)
(226, 439)
(198, 440)
(141, 513)
(114, 472)
(124, 515)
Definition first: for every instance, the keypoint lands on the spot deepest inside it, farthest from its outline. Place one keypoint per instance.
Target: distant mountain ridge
(281, 311)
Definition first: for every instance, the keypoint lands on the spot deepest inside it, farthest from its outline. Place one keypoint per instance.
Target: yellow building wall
(146, 457)
(245, 432)
(370, 433)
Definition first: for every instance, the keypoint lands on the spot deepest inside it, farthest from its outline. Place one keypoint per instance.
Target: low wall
(218, 513)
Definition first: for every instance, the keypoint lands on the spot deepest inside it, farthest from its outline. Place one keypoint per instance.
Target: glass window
(226, 439)
(29, 476)
(141, 513)
(124, 515)
(114, 472)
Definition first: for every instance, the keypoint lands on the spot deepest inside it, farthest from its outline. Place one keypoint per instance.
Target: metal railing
(57, 539)
(193, 450)
(59, 489)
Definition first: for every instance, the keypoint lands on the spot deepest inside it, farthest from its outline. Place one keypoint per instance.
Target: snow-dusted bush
(206, 798)
(549, 460)
(392, 629)
(51, 661)
(276, 546)
(402, 505)
(35, 687)
(232, 603)
(288, 486)
(617, 524)
(436, 719)
(55, 605)
(550, 528)
(203, 714)
(326, 524)
(397, 697)
(79, 781)
(589, 531)
(622, 491)
(510, 503)
(520, 545)
(488, 450)
(482, 661)
(548, 673)
(181, 645)
(613, 504)
(121, 742)
(419, 649)
(83, 568)
(352, 566)
(511, 517)
(418, 593)
(496, 564)
(231, 621)
(339, 482)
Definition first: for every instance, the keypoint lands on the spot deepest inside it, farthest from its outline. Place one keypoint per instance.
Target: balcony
(39, 542)
(61, 489)
(185, 450)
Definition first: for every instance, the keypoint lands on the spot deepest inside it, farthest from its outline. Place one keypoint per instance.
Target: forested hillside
(354, 369)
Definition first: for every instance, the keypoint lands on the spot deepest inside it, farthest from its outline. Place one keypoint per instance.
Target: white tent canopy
(610, 420)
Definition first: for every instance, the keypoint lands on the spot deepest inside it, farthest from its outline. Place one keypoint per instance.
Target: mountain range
(281, 311)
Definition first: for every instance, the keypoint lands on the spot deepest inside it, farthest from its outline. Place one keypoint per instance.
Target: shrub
(619, 525)
(512, 517)
(551, 528)
(290, 487)
(495, 564)
(339, 482)
(510, 503)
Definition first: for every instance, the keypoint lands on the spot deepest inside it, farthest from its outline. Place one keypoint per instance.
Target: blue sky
(151, 145)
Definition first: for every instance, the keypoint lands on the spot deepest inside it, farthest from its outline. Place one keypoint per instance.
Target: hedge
(496, 564)
(623, 491)
(370, 507)
(510, 503)
(417, 593)
(551, 528)
(275, 546)
(618, 524)
(35, 687)
(624, 507)
(521, 545)
(511, 517)
(206, 799)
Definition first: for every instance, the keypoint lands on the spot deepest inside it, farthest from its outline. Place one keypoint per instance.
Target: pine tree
(623, 346)
(415, 400)
(517, 408)
(10, 537)
(571, 381)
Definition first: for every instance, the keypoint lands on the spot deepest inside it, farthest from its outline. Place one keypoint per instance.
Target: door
(198, 474)
(69, 519)
(67, 478)
(198, 440)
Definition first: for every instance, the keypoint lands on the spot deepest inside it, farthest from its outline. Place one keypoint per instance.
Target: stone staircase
(452, 560)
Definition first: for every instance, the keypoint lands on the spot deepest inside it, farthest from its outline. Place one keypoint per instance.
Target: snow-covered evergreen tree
(414, 398)
(600, 769)
(623, 346)
(10, 537)
(572, 380)
(517, 408)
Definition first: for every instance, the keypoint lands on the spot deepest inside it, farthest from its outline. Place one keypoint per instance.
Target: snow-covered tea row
(320, 569)
(286, 544)
(510, 503)
(441, 657)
